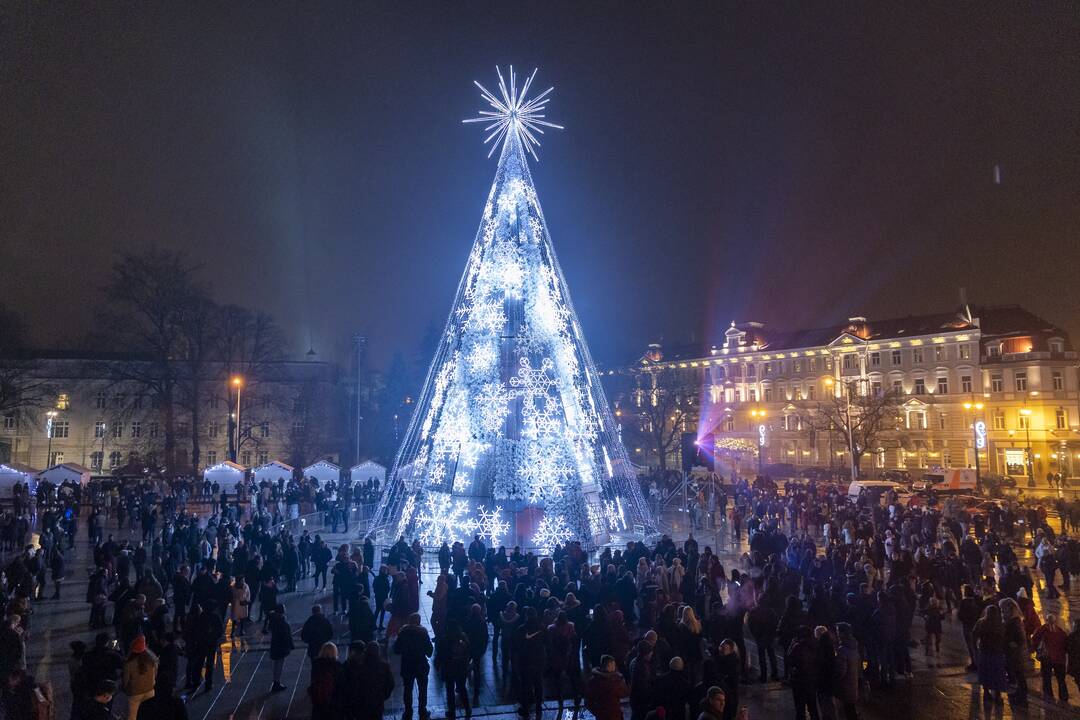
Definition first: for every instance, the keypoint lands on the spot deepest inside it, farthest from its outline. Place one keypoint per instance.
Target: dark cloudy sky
(720, 161)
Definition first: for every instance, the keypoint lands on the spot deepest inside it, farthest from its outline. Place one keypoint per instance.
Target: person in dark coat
(452, 656)
(414, 646)
(802, 659)
(281, 644)
(369, 683)
(728, 670)
(316, 631)
(529, 663)
(762, 621)
(605, 689)
(848, 669)
(381, 588)
(361, 619)
(642, 676)
(327, 688)
(672, 690)
(826, 672)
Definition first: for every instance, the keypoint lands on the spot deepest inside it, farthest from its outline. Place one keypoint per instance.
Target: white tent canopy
(72, 472)
(228, 475)
(273, 471)
(12, 473)
(366, 470)
(324, 471)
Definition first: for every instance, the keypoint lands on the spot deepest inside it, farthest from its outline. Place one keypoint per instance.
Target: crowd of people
(827, 597)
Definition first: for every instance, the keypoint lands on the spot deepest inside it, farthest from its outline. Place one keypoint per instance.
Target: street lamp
(1026, 412)
(757, 413)
(978, 432)
(49, 431)
(238, 383)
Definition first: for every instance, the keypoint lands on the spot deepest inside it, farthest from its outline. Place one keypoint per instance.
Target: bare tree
(147, 296)
(195, 352)
(660, 410)
(860, 420)
(24, 389)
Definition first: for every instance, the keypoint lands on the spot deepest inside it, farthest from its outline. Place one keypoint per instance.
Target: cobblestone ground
(242, 687)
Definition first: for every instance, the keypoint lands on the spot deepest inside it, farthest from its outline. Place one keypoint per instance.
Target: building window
(920, 420)
(812, 365)
(56, 458)
(796, 366)
(264, 429)
(60, 429)
(752, 393)
(136, 429)
(214, 402)
(896, 357)
(811, 393)
(848, 361)
(917, 355)
(941, 421)
(768, 394)
(920, 386)
(63, 401)
(153, 430)
(875, 358)
(211, 457)
(965, 383)
(263, 457)
(99, 402)
(943, 386)
(798, 393)
(1020, 377)
(898, 387)
(964, 351)
(828, 362)
(766, 369)
(9, 423)
(1058, 380)
(99, 429)
(993, 350)
(117, 429)
(1025, 421)
(1061, 419)
(114, 459)
(875, 388)
(997, 384)
(245, 457)
(214, 429)
(118, 401)
(729, 423)
(939, 353)
(298, 427)
(999, 420)
(96, 459)
(137, 402)
(1057, 346)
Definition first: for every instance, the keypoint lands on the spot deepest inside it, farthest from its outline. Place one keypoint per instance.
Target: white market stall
(71, 472)
(324, 471)
(13, 473)
(228, 476)
(272, 472)
(366, 471)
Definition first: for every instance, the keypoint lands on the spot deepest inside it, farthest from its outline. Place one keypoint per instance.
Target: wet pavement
(243, 676)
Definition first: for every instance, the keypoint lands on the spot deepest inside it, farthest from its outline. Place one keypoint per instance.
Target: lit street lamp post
(978, 433)
(49, 431)
(238, 383)
(1026, 412)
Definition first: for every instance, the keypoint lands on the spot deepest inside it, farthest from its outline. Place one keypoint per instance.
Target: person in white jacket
(241, 606)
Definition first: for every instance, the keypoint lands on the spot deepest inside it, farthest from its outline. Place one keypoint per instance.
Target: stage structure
(512, 438)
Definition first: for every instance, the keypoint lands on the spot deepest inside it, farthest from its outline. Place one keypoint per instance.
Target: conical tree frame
(512, 438)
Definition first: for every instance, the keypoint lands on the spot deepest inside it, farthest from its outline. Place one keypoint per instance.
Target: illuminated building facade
(1003, 366)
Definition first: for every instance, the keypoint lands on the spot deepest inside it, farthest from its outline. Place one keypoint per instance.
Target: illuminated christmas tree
(512, 417)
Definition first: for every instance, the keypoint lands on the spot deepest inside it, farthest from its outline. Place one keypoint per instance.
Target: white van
(874, 489)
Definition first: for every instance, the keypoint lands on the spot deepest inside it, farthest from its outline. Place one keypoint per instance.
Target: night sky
(750, 161)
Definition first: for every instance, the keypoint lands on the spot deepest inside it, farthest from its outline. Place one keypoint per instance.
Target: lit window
(999, 420)
(965, 383)
(964, 352)
(943, 386)
(798, 393)
(60, 429)
(63, 402)
(57, 457)
(99, 429)
(1020, 377)
(1061, 418)
(114, 459)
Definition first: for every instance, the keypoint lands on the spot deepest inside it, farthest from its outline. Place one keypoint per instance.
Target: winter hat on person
(1021, 594)
(138, 645)
(676, 664)
(571, 601)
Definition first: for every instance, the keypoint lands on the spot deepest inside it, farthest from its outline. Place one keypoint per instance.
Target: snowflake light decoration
(613, 513)
(488, 525)
(406, 515)
(552, 531)
(512, 115)
(442, 519)
(491, 402)
(596, 520)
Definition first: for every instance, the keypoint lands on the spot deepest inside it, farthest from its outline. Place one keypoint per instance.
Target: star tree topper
(512, 114)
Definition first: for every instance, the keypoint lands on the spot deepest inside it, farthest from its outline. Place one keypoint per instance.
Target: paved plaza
(242, 686)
